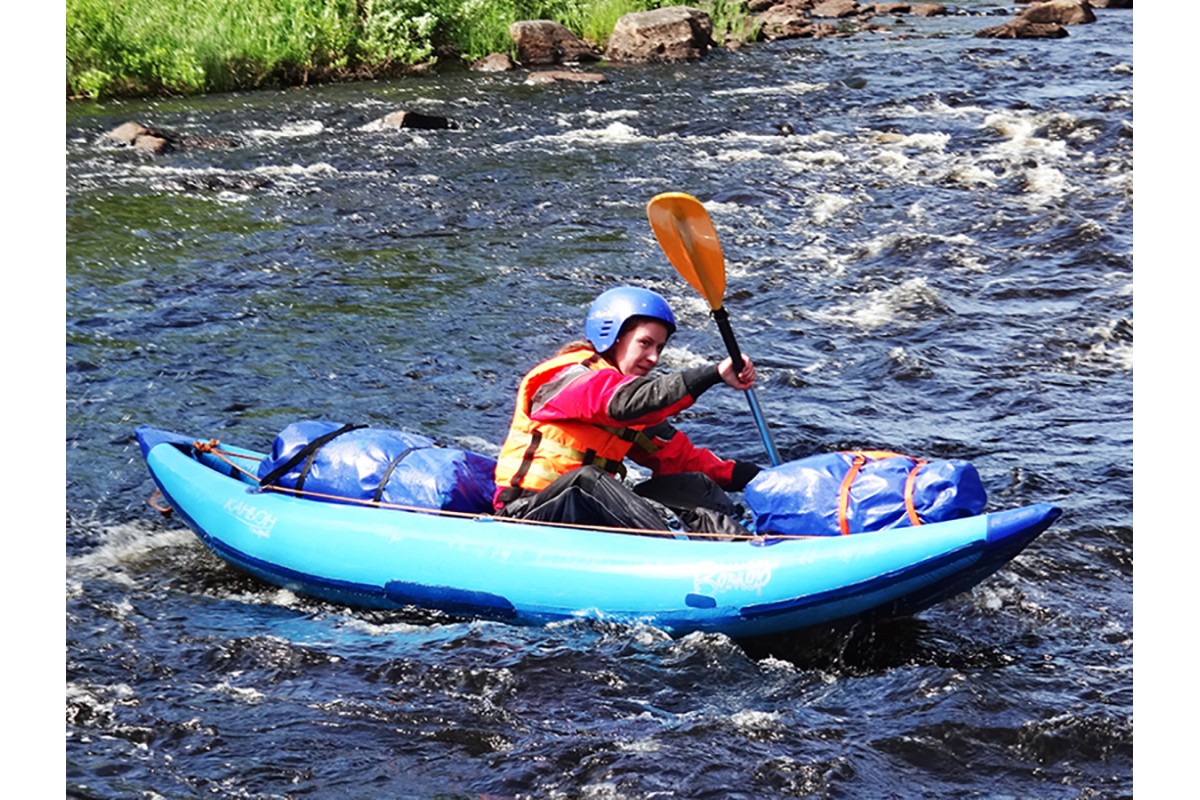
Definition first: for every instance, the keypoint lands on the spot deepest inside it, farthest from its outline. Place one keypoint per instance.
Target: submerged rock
(563, 76)
(125, 134)
(156, 141)
(413, 119)
(1021, 28)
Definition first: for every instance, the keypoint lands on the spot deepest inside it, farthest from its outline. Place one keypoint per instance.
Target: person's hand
(739, 380)
(743, 473)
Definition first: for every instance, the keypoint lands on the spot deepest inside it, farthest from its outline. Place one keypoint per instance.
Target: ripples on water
(937, 259)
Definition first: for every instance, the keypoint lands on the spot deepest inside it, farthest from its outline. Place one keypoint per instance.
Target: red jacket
(577, 409)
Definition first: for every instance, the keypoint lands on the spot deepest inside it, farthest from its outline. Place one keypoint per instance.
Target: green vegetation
(147, 47)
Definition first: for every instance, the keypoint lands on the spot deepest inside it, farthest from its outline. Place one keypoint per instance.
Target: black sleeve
(642, 396)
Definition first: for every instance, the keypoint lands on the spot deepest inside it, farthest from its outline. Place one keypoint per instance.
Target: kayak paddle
(689, 240)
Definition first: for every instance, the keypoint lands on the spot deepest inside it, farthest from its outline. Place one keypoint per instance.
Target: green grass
(180, 47)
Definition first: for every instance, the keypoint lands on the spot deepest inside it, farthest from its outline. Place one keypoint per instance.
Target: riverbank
(143, 48)
(172, 47)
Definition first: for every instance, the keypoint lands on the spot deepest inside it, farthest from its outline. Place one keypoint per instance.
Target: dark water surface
(937, 260)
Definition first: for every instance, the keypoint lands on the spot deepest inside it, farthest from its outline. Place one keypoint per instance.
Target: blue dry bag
(334, 462)
(859, 491)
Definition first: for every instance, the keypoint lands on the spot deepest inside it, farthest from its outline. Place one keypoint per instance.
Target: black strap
(387, 473)
(306, 453)
(535, 441)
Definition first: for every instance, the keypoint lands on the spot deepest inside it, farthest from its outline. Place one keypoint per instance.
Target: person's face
(638, 348)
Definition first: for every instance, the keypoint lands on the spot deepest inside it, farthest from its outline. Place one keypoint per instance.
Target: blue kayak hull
(482, 567)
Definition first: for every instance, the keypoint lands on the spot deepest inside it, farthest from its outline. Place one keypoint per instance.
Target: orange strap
(913, 517)
(159, 503)
(844, 492)
(860, 458)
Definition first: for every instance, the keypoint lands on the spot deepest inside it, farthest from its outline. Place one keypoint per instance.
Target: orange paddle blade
(687, 236)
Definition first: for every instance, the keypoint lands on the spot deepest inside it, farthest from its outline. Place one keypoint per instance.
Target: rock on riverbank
(682, 33)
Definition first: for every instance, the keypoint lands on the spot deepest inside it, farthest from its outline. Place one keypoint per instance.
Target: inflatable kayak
(480, 566)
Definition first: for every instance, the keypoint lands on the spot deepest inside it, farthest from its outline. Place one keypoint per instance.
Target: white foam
(972, 175)
(1020, 133)
(479, 445)
(749, 720)
(1045, 183)
(245, 694)
(124, 545)
(289, 130)
(825, 206)
(773, 664)
(809, 158)
(893, 163)
(319, 170)
(382, 629)
(881, 307)
(641, 745)
(935, 141)
(594, 116)
(614, 133)
(678, 358)
(816, 253)
(789, 89)
(742, 156)
(940, 110)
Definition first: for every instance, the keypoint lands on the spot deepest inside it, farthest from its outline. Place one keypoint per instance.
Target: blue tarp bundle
(805, 497)
(331, 461)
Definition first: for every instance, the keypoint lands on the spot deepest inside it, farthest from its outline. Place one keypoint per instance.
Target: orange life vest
(536, 453)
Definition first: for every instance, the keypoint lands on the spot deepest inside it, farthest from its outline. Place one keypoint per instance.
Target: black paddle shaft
(735, 355)
(722, 318)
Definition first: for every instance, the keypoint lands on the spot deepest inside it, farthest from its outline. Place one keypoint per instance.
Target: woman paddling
(580, 414)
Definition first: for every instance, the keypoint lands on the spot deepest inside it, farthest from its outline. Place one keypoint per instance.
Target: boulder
(1060, 12)
(1021, 28)
(151, 145)
(899, 9)
(156, 141)
(412, 119)
(542, 42)
(786, 20)
(125, 134)
(675, 33)
(835, 9)
(496, 62)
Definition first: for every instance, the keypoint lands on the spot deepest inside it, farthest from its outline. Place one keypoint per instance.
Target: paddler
(580, 414)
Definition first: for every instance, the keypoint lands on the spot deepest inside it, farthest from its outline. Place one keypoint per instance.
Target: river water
(930, 249)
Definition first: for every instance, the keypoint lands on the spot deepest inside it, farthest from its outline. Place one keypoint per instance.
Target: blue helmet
(613, 308)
